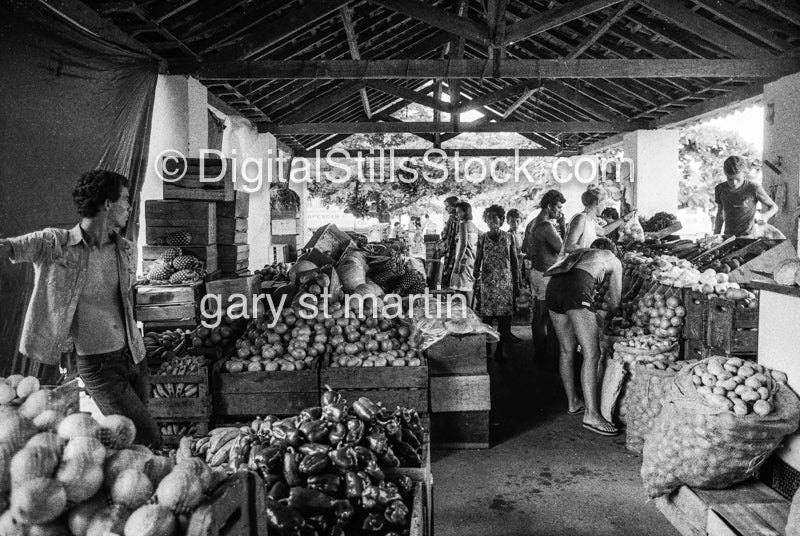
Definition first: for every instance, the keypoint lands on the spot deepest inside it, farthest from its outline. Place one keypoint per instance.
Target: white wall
(656, 175)
(781, 136)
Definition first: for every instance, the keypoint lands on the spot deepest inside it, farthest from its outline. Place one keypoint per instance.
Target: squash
(117, 431)
(109, 520)
(369, 288)
(298, 268)
(77, 425)
(131, 489)
(352, 270)
(39, 500)
(79, 517)
(180, 491)
(151, 520)
(34, 462)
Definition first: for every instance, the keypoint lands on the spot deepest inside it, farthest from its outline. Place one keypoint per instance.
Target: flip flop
(600, 431)
(578, 411)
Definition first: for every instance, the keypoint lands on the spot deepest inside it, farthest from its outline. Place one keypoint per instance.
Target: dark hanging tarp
(70, 101)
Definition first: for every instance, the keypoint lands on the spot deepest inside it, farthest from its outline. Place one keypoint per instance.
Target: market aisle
(545, 475)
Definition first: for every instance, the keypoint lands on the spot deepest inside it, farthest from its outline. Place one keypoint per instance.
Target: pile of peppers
(323, 468)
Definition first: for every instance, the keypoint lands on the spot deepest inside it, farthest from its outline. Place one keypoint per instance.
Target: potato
(709, 380)
(754, 382)
(704, 390)
(715, 367)
(762, 407)
(398, 362)
(763, 392)
(740, 389)
(719, 401)
(779, 376)
(750, 396)
(746, 371)
(735, 361)
(719, 390)
(729, 385)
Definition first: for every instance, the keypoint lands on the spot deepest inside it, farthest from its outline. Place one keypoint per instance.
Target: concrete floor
(544, 475)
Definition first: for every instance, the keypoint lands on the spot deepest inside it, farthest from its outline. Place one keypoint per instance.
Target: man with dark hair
(736, 200)
(83, 294)
(541, 246)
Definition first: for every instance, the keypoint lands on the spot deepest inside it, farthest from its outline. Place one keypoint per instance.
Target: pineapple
(178, 238)
(183, 276)
(186, 262)
(160, 271)
(171, 254)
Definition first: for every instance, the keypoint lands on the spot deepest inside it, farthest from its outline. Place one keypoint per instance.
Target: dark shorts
(570, 291)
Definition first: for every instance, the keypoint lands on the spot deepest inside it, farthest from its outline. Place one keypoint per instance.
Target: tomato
(403, 331)
(680, 311)
(280, 328)
(267, 352)
(279, 349)
(372, 346)
(676, 321)
(243, 352)
(350, 349)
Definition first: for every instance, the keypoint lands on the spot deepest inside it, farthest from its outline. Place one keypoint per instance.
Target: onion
(109, 520)
(125, 459)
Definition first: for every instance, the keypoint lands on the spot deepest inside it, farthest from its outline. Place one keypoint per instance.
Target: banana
(221, 456)
(202, 442)
(191, 390)
(170, 387)
(162, 392)
(222, 430)
(219, 440)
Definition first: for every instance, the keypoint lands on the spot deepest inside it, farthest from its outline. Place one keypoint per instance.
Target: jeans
(119, 387)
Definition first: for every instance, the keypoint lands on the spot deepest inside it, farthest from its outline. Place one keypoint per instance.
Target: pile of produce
(366, 341)
(718, 425)
(222, 336)
(178, 366)
(646, 349)
(75, 475)
(277, 271)
(659, 222)
(660, 315)
(165, 346)
(715, 285)
(16, 388)
(180, 429)
(175, 268)
(323, 467)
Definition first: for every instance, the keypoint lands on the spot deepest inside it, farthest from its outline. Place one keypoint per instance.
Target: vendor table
(778, 343)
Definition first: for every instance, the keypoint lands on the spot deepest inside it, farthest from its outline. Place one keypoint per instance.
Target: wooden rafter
(456, 53)
(461, 153)
(346, 13)
(410, 95)
(786, 9)
(553, 18)
(600, 29)
(519, 102)
(735, 97)
(746, 22)
(427, 69)
(432, 128)
(470, 29)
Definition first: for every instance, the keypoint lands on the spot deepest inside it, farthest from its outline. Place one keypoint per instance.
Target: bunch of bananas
(178, 429)
(178, 366)
(223, 445)
(164, 346)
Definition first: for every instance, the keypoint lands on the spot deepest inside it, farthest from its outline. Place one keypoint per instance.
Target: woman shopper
(543, 241)
(462, 278)
(496, 268)
(449, 238)
(583, 228)
(569, 300)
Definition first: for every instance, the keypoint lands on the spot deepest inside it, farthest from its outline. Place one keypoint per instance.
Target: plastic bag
(632, 231)
(433, 320)
(703, 446)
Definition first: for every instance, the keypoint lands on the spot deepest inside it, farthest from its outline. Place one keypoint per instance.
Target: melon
(109, 520)
(131, 489)
(33, 462)
(77, 425)
(151, 520)
(81, 478)
(80, 516)
(37, 501)
(27, 386)
(36, 403)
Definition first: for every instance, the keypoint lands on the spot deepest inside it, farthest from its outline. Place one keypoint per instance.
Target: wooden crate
(744, 509)
(462, 393)
(225, 288)
(197, 218)
(231, 230)
(169, 305)
(460, 430)
(246, 394)
(190, 187)
(232, 510)
(695, 325)
(457, 355)
(207, 254)
(233, 258)
(732, 329)
(238, 208)
(392, 386)
(186, 408)
(172, 440)
(278, 253)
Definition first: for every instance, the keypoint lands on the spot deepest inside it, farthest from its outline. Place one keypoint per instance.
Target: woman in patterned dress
(462, 278)
(496, 267)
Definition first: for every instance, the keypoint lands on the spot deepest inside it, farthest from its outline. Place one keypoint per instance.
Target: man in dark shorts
(83, 294)
(569, 298)
(736, 200)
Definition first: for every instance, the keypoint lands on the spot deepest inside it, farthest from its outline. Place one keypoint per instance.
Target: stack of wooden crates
(460, 392)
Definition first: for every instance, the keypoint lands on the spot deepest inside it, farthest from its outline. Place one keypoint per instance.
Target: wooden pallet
(232, 510)
(392, 386)
(198, 218)
(744, 509)
(191, 188)
(246, 394)
(180, 407)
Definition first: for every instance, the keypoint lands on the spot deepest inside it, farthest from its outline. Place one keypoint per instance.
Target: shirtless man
(569, 300)
(84, 292)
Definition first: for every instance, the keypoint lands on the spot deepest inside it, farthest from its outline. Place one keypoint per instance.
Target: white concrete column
(169, 132)
(259, 227)
(781, 132)
(197, 117)
(656, 174)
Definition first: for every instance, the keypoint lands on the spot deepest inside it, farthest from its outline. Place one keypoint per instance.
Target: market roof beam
(432, 127)
(553, 18)
(346, 13)
(746, 22)
(410, 95)
(426, 69)
(465, 153)
(600, 30)
(733, 98)
(786, 9)
(705, 28)
(274, 31)
(470, 29)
